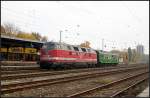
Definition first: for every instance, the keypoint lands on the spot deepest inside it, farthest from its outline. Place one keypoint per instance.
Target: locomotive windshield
(49, 46)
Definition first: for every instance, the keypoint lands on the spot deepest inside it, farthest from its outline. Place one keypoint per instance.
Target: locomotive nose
(44, 52)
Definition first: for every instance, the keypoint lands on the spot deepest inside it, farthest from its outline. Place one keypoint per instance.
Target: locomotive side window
(58, 46)
(93, 51)
(89, 50)
(83, 49)
(76, 48)
(64, 47)
(69, 47)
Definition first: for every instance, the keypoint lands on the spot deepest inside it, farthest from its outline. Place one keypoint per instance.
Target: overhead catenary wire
(19, 24)
(21, 19)
(21, 15)
(113, 44)
(18, 13)
(132, 13)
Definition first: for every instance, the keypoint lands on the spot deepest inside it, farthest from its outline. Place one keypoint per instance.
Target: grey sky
(120, 23)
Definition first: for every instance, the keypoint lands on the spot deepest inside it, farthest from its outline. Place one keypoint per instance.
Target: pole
(102, 44)
(60, 37)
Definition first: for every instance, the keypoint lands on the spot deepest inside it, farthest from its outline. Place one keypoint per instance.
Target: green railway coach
(104, 58)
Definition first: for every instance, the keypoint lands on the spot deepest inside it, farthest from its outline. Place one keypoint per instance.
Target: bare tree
(37, 36)
(3, 30)
(44, 39)
(11, 29)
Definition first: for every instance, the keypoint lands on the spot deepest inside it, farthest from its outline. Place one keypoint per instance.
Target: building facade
(140, 49)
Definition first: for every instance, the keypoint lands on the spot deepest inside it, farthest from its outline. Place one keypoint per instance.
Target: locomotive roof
(21, 39)
(68, 44)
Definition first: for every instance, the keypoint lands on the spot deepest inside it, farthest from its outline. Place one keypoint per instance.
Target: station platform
(145, 93)
(18, 62)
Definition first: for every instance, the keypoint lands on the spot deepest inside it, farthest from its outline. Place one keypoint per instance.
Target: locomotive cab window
(50, 46)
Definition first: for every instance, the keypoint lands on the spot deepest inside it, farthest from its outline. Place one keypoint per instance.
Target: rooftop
(21, 39)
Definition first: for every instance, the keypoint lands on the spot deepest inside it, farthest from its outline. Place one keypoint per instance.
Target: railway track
(48, 70)
(21, 71)
(15, 68)
(18, 63)
(13, 87)
(107, 90)
(45, 70)
(7, 75)
(8, 69)
(49, 73)
(117, 94)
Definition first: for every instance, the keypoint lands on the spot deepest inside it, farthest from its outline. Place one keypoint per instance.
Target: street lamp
(60, 37)
(77, 33)
(60, 34)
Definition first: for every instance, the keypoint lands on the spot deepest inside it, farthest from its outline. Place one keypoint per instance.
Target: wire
(21, 19)
(18, 14)
(131, 12)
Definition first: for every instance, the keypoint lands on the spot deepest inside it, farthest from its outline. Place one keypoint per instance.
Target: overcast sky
(121, 24)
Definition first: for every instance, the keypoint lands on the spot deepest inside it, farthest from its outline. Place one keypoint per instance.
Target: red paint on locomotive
(63, 54)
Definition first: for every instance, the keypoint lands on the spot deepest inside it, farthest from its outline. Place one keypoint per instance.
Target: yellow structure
(16, 50)
(3, 49)
(31, 50)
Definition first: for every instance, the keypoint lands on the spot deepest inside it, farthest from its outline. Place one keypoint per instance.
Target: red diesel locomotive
(61, 55)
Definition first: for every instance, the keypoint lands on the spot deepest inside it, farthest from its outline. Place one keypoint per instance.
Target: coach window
(107, 57)
(113, 56)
